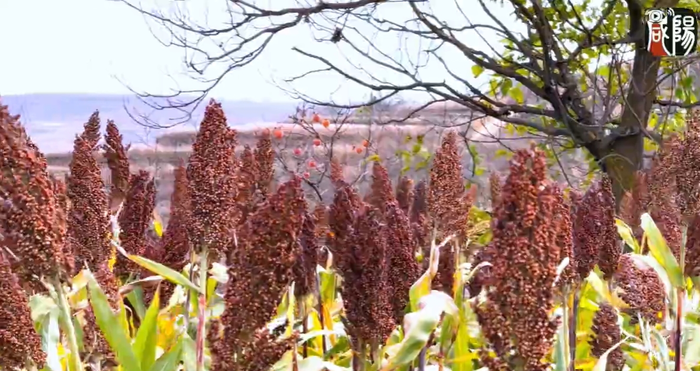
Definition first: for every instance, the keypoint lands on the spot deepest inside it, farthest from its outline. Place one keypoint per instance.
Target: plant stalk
(201, 311)
(67, 324)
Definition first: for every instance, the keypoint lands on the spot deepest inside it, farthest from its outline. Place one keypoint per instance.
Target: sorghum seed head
(606, 334)
(88, 218)
(381, 192)
(134, 220)
(262, 268)
(211, 173)
(305, 266)
(608, 240)
(446, 185)
(30, 215)
(404, 269)
(641, 288)
(525, 260)
(363, 263)
(265, 160)
(404, 194)
(118, 163)
(18, 339)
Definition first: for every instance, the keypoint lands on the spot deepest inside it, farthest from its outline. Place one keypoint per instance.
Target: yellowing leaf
(111, 328)
(147, 334)
(626, 233)
(660, 251)
(477, 70)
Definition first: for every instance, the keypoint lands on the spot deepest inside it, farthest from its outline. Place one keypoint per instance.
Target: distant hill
(53, 120)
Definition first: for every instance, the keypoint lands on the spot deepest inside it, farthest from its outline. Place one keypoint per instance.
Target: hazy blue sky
(83, 46)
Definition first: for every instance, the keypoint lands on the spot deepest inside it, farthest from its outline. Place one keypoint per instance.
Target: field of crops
(254, 273)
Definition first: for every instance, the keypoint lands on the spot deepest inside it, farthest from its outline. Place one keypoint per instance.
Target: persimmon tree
(575, 71)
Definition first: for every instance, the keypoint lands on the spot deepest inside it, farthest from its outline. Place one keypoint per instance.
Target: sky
(102, 46)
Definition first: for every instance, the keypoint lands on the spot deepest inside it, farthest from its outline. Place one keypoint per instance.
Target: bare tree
(567, 69)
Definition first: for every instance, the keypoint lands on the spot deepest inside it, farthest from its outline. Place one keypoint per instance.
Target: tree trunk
(625, 156)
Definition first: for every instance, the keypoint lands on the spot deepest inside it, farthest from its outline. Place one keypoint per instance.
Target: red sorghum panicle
(688, 173)
(134, 220)
(382, 191)
(29, 213)
(495, 186)
(247, 185)
(422, 231)
(446, 186)
(91, 132)
(118, 163)
(363, 264)
(641, 288)
(569, 275)
(305, 266)
(481, 278)
(88, 219)
(262, 270)
(337, 173)
(525, 259)
(176, 246)
(692, 248)
(404, 194)
(341, 220)
(635, 203)
(404, 269)
(61, 225)
(263, 352)
(268, 250)
(211, 173)
(606, 334)
(664, 206)
(265, 160)
(18, 339)
(608, 241)
(587, 224)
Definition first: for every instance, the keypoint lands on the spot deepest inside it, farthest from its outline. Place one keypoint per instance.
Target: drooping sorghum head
(525, 257)
(404, 269)
(305, 266)
(263, 266)
(608, 240)
(665, 202)
(635, 203)
(88, 219)
(381, 192)
(606, 334)
(175, 243)
(446, 186)
(592, 226)
(134, 219)
(265, 160)
(404, 194)
(261, 272)
(495, 185)
(118, 163)
(641, 288)
(211, 173)
(337, 173)
(688, 172)
(341, 219)
(569, 275)
(19, 341)
(61, 225)
(422, 230)
(30, 213)
(692, 249)
(247, 185)
(363, 263)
